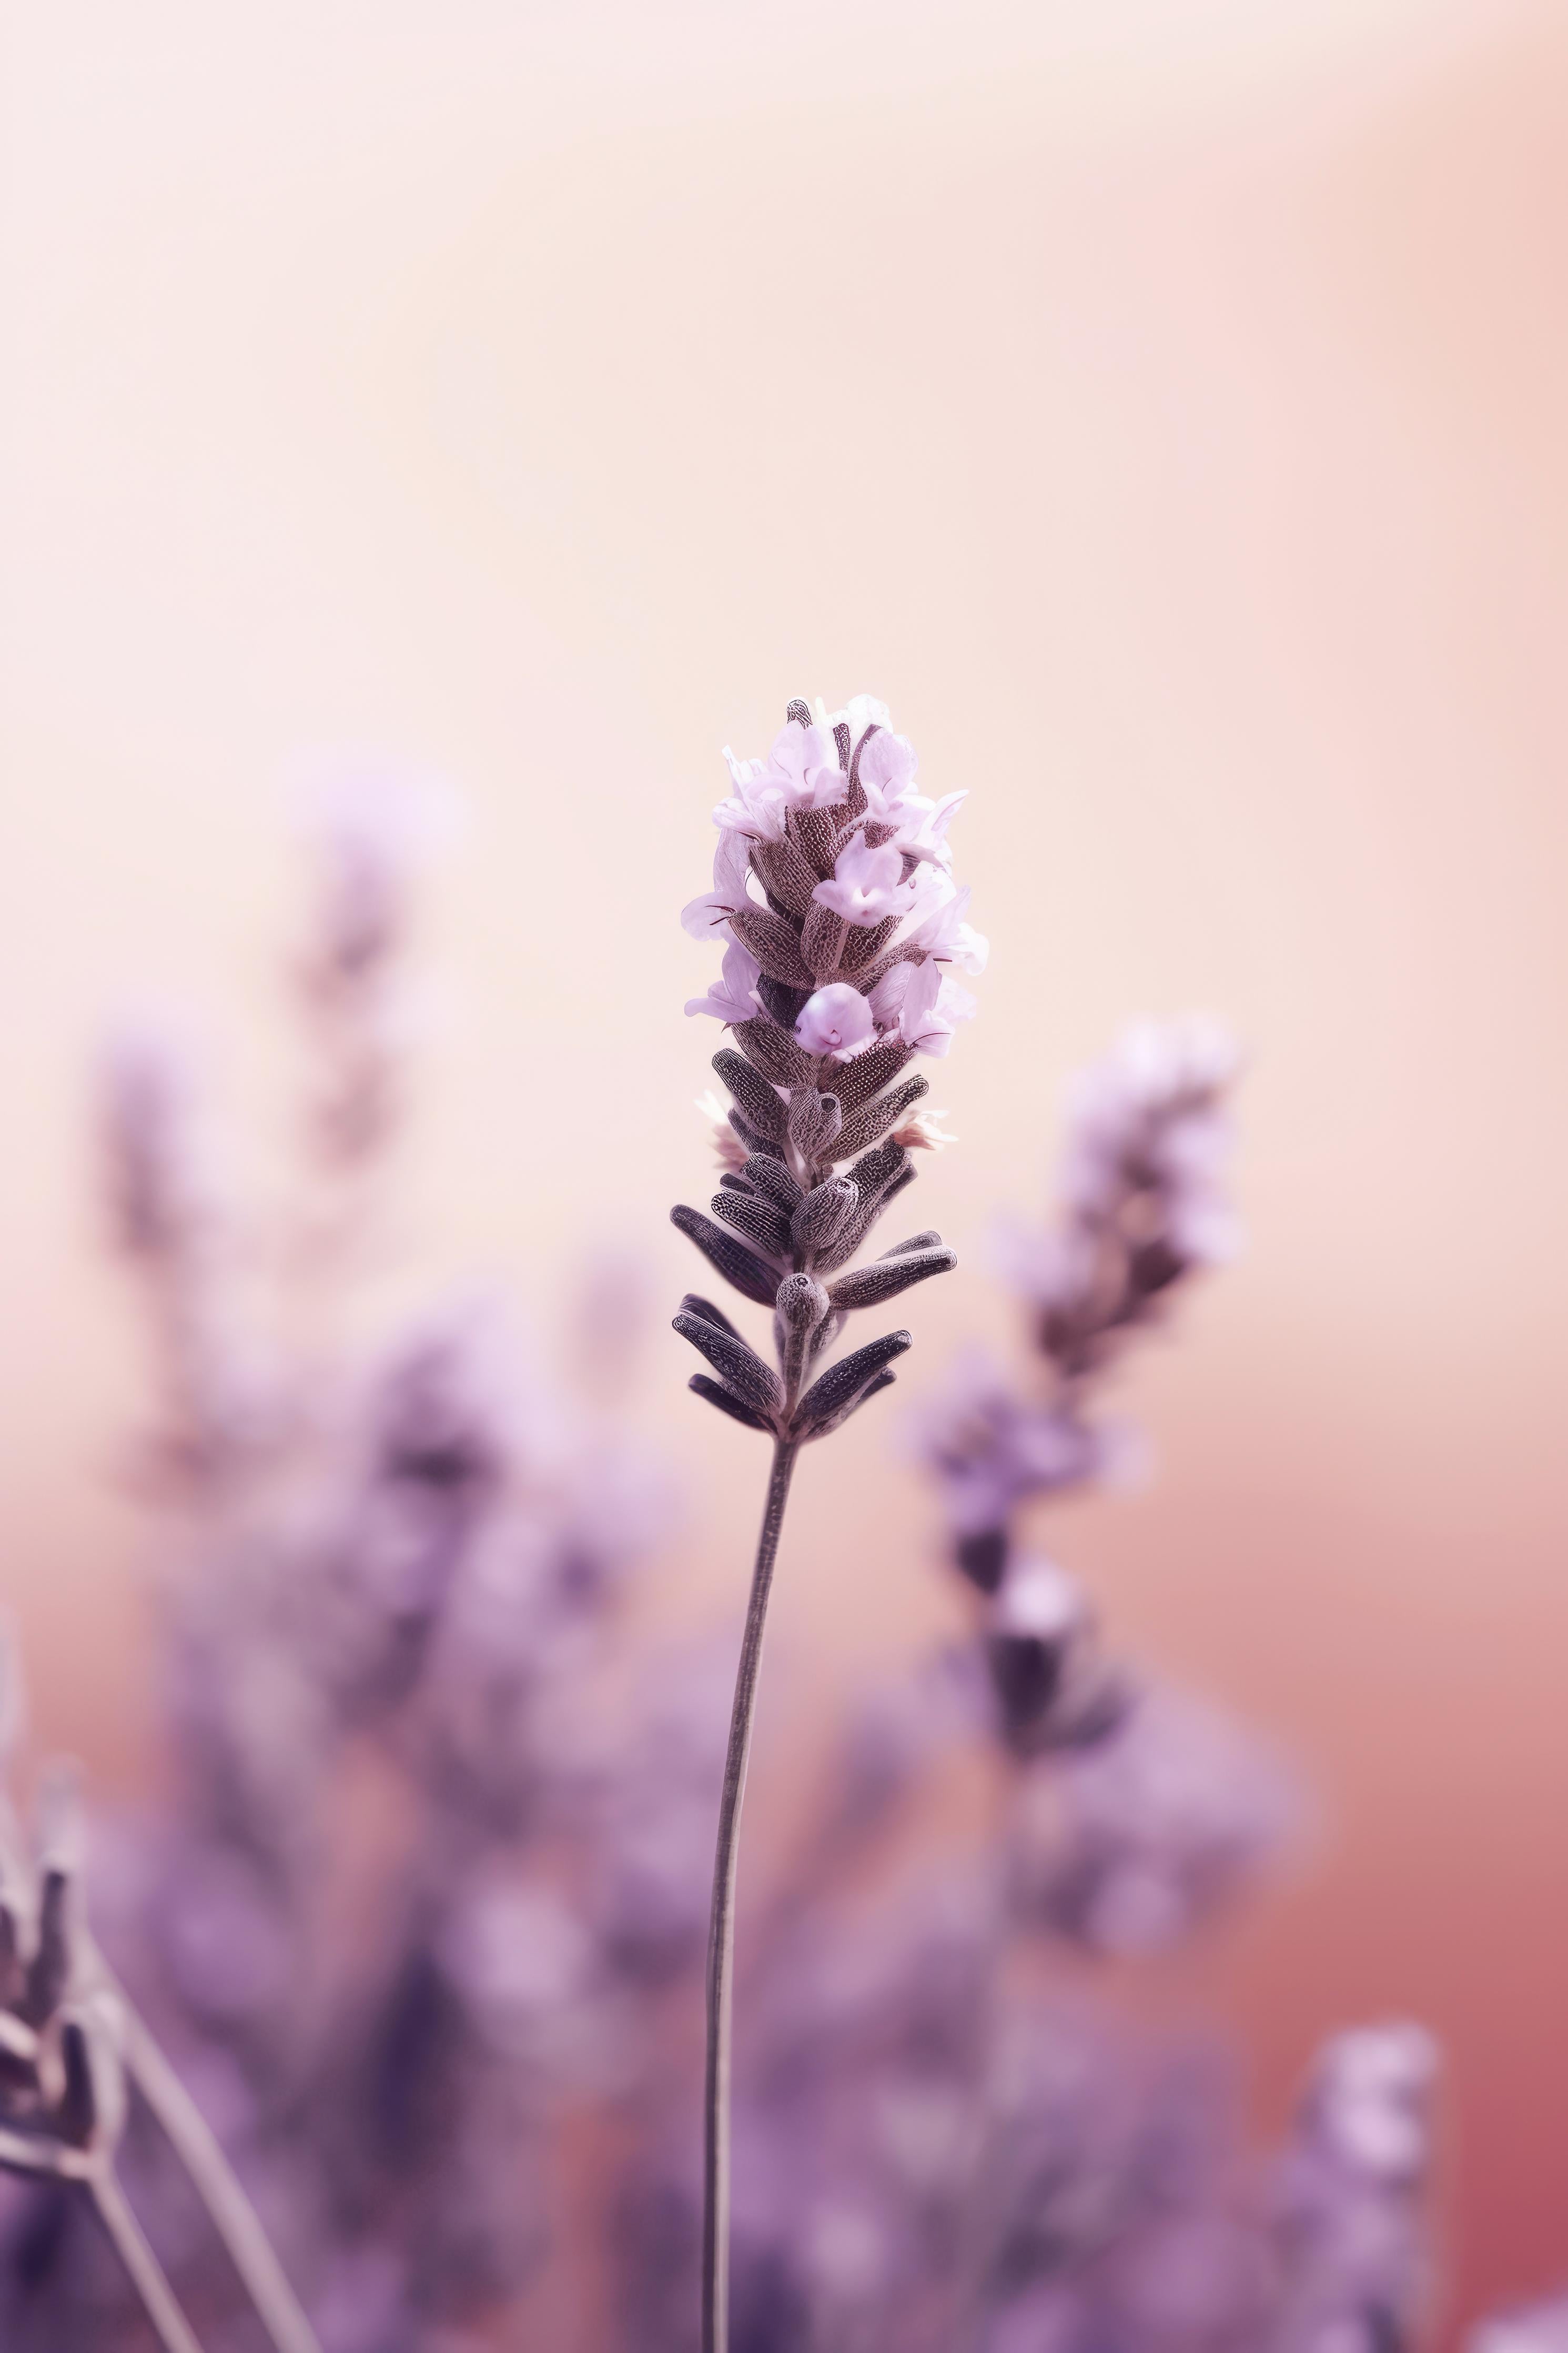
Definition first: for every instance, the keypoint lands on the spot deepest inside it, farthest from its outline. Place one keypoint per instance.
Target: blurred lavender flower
(1527, 2328)
(1143, 1207)
(1113, 2206)
(370, 829)
(650, 1784)
(1135, 1812)
(1124, 1840)
(168, 1220)
(359, 1920)
(1349, 2220)
(403, 2024)
(860, 2130)
(992, 1450)
(855, 2130)
(1143, 1193)
(934, 2155)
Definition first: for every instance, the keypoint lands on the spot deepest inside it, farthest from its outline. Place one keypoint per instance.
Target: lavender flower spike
(840, 920)
(1143, 1195)
(1135, 1813)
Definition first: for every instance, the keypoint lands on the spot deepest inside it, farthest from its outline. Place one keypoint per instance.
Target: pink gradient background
(1161, 407)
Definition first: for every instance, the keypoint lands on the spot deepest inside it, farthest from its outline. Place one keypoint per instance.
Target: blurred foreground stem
(174, 2330)
(721, 1926)
(232, 2215)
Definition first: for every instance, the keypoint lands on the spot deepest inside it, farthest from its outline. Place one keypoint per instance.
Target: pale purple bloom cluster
(829, 835)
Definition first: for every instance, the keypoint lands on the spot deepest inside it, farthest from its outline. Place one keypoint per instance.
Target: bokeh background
(1159, 403)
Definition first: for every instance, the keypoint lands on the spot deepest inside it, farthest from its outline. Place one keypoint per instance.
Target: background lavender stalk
(369, 831)
(1135, 1810)
(168, 1222)
(1131, 1812)
(833, 979)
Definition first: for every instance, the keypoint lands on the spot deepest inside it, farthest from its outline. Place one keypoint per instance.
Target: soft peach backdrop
(1161, 406)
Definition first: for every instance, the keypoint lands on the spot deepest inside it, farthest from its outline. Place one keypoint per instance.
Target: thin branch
(217, 2184)
(146, 2274)
(721, 1930)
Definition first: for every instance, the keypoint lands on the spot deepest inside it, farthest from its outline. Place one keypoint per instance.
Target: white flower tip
(921, 1132)
(381, 808)
(729, 1152)
(861, 711)
(1193, 1051)
(1040, 1599)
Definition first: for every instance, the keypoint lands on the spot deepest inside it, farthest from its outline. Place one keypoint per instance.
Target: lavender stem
(722, 1928)
(146, 2275)
(233, 2216)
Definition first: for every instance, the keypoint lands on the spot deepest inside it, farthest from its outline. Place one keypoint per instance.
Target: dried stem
(233, 2216)
(722, 1928)
(146, 2274)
